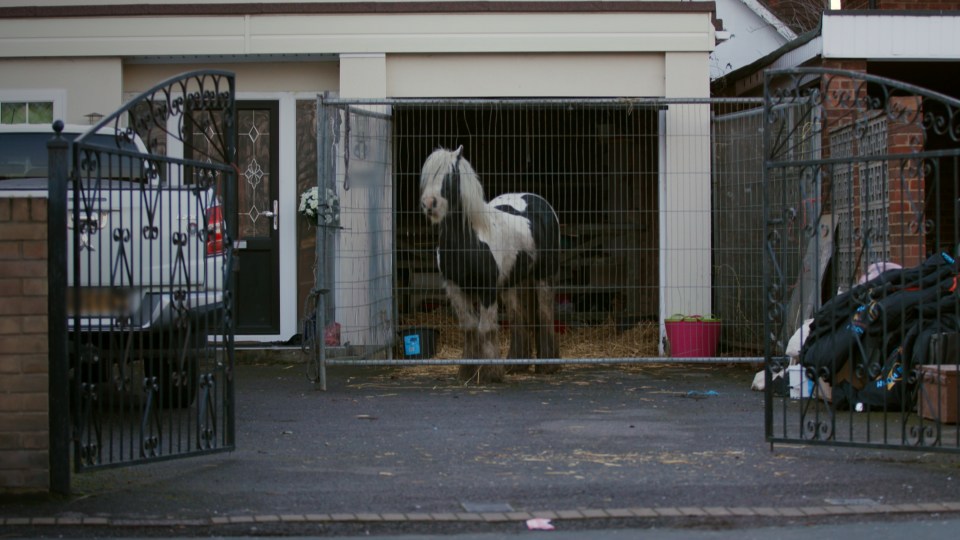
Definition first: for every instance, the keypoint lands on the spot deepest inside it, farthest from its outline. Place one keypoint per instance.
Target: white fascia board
(349, 33)
(794, 58)
(799, 56)
(893, 36)
(770, 19)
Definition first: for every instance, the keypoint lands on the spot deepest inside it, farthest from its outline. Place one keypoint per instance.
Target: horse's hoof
(481, 374)
(546, 369)
(468, 373)
(492, 374)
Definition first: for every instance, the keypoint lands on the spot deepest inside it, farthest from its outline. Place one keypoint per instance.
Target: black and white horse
(503, 250)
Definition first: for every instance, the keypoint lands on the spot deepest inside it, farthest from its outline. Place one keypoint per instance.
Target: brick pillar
(24, 424)
(907, 214)
(842, 97)
(905, 181)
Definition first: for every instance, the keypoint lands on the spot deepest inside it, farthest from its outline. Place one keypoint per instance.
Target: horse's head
(448, 184)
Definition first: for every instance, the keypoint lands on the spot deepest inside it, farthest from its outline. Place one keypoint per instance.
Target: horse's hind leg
(517, 302)
(547, 345)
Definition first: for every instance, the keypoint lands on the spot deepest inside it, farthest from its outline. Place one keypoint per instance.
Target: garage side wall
(24, 425)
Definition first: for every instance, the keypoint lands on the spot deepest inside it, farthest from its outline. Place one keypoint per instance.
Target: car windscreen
(24, 155)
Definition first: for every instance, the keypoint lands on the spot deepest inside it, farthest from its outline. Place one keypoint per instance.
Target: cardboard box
(937, 398)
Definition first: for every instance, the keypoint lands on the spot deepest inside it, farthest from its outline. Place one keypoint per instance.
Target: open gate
(862, 325)
(147, 344)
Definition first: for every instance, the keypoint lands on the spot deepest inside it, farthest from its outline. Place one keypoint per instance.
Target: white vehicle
(150, 281)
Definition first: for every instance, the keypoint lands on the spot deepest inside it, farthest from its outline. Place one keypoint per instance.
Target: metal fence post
(59, 380)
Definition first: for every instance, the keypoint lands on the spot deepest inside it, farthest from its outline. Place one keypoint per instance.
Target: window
(31, 106)
(26, 112)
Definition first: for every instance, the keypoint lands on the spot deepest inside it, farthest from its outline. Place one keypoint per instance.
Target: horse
(503, 250)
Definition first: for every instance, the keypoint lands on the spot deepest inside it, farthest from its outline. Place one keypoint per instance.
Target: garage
(638, 186)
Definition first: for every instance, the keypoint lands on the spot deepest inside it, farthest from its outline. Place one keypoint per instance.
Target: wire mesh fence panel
(737, 208)
(355, 229)
(862, 313)
(620, 230)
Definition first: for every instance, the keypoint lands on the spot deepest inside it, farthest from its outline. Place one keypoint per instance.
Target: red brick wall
(905, 186)
(838, 93)
(837, 96)
(24, 425)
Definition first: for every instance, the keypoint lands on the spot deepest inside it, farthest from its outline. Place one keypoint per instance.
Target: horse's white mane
(435, 169)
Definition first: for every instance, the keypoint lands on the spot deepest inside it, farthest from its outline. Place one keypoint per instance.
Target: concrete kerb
(673, 513)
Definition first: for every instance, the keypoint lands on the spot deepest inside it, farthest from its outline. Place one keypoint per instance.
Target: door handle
(274, 215)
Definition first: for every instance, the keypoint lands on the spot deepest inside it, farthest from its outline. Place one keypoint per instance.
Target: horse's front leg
(469, 321)
(489, 334)
(480, 335)
(517, 303)
(547, 346)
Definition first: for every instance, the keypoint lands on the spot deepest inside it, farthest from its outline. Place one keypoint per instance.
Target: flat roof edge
(335, 8)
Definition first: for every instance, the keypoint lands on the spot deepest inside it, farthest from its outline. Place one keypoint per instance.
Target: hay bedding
(601, 340)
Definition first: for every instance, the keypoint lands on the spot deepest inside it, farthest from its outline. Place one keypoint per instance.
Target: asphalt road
(411, 451)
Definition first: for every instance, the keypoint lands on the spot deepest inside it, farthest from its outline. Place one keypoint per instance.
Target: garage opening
(595, 164)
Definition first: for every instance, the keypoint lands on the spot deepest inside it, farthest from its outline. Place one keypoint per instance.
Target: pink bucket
(693, 336)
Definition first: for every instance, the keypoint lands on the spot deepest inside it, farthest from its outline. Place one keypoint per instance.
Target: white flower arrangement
(322, 213)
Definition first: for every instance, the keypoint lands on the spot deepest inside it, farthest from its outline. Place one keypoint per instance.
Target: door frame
(287, 171)
(287, 185)
(271, 106)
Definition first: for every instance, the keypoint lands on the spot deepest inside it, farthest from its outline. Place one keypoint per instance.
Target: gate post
(59, 381)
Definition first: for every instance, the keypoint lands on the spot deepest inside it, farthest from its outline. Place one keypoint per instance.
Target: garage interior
(597, 164)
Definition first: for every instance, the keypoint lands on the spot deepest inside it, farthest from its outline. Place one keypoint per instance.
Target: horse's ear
(458, 151)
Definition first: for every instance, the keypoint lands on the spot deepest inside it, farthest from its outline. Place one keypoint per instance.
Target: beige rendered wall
(90, 84)
(252, 77)
(685, 224)
(363, 75)
(422, 33)
(525, 75)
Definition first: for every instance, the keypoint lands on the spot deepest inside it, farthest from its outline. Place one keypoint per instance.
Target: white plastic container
(800, 385)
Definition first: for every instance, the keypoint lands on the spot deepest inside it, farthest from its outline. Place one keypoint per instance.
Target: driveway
(411, 449)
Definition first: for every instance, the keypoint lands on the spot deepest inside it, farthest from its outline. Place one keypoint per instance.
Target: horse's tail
(545, 227)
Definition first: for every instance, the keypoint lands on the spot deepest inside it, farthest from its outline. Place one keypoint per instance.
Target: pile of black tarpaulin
(869, 341)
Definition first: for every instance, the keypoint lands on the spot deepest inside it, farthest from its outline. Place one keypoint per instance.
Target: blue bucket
(420, 342)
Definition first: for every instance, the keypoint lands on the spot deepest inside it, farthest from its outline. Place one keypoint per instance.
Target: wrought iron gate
(862, 325)
(148, 294)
